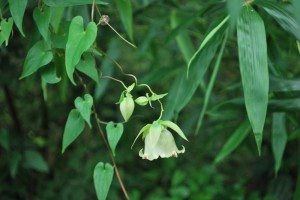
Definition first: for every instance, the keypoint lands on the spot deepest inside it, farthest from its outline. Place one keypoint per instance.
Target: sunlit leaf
(103, 175)
(73, 128)
(65, 3)
(279, 138)
(88, 67)
(281, 15)
(6, 27)
(253, 59)
(234, 141)
(17, 10)
(114, 134)
(79, 40)
(42, 20)
(84, 106)
(125, 10)
(183, 89)
(38, 56)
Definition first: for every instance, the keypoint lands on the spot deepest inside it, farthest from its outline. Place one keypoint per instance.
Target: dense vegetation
(82, 79)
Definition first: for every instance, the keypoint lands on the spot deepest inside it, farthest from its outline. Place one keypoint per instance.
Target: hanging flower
(159, 141)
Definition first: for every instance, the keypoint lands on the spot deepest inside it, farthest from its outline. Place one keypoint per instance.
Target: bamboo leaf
(17, 10)
(103, 175)
(285, 19)
(65, 3)
(253, 59)
(279, 138)
(183, 89)
(125, 10)
(79, 41)
(234, 141)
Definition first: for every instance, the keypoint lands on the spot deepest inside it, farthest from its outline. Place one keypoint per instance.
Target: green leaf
(144, 129)
(73, 128)
(49, 74)
(281, 15)
(234, 141)
(130, 88)
(155, 97)
(65, 3)
(114, 134)
(35, 160)
(284, 85)
(17, 10)
(6, 27)
(253, 59)
(183, 40)
(56, 17)
(296, 6)
(234, 8)
(84, 106)
(88, 67)
(211, 85)
(38, 56)
(42, 20)
(125, 10)
(103, 175)
(279, 138)
(79, 40)
(174, 127)
(183, 89)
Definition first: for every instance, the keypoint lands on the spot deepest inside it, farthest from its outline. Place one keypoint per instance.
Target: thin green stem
(145, 85)
(115, 80)
(112, 28)
(161, 110)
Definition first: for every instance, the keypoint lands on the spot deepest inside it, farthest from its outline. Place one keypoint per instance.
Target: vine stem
(105, 141)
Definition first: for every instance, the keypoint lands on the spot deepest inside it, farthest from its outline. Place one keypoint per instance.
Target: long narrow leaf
(279, 138)
(253, 59)
(234, 141)
(281, 15)
(125, 10)
(211, 85)
(183, 89)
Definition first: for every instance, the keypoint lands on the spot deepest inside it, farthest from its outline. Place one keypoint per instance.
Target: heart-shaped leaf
(5, 30)
(114, 134)
(17, 10)
(42, 20)
(39, 55)
(88, 67)
(79, 40)
(49, 74)
(103, 175)
(84, 106)
(73, 128)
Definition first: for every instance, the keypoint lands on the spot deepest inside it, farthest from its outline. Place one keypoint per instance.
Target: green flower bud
(127, 106)
(142, 101)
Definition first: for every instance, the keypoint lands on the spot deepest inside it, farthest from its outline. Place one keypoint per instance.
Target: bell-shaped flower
(127, 106)
(159, 142)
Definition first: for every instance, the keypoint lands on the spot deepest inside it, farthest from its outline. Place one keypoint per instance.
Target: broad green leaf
(42, 20)
(285, 19)
(88, 67)
(6, 27)
(125, 10)
(234, 8)
(183, 40)
(49, 74)
(17, 10)
(79, 40)
(84, 106)
(56, 17)
(234, 141)
(296, 6)
(279, 138)
(73, 128)
(38, 56)
(211, 85)
(253, 60)
(103, 175)
(35, 160)
(284, 85)
(174, 127)
(114, 134)
(65, 3)
(183, 89)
